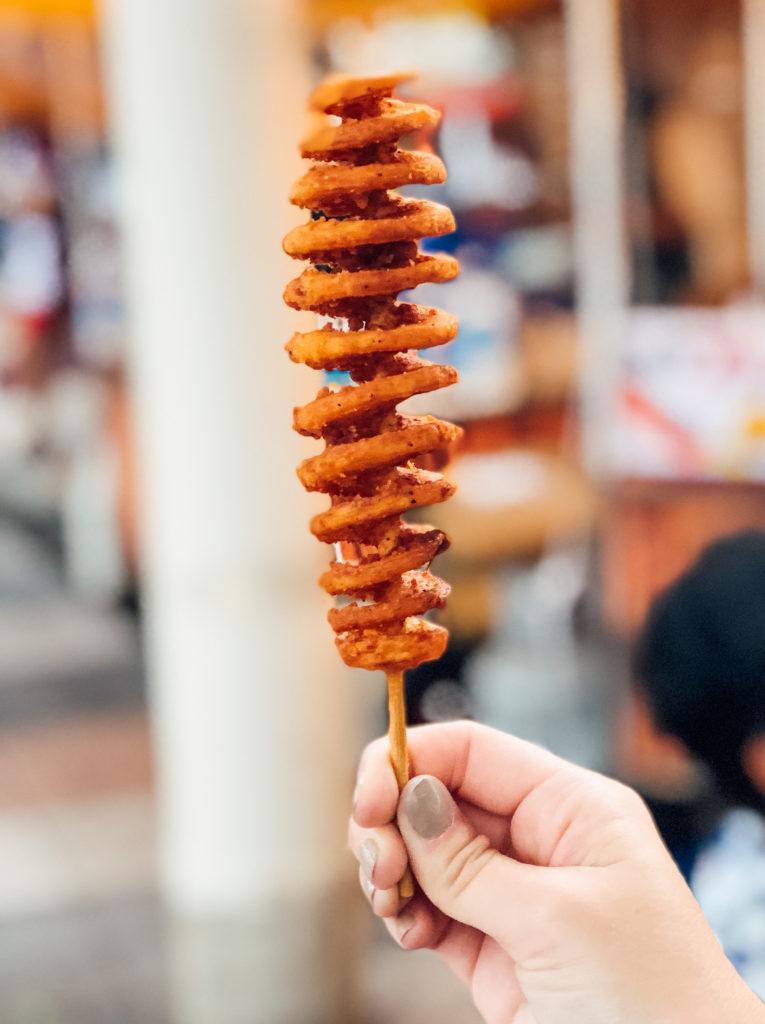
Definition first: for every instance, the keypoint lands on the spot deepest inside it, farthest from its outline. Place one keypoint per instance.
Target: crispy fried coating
(327, 182)
(332, 407)
(396, 118)
(418, 641)
(362, 244)
(338, 88)
(403, 490)
(415, 436)
(414, 594)
(330, 348)
(414, 218)
(417, 547)
(317, 290)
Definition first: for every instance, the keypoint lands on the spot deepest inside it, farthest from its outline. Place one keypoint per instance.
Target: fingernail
(404, 924)
(368, 853)
(428, 807)
(369, 888)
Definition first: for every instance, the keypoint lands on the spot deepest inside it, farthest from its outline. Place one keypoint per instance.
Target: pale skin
(549, 892)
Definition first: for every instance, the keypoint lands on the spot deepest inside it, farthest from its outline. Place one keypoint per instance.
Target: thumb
(458, 869)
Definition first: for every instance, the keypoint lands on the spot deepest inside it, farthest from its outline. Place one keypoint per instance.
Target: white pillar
(250, 702)
(597, 117)
(754, 122)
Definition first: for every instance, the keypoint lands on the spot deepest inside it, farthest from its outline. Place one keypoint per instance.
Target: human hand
(544, 886)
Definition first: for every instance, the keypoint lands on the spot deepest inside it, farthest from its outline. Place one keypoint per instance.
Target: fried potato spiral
(361, 242)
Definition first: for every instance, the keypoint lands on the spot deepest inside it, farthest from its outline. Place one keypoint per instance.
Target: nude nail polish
(428, 807)
(368, 854)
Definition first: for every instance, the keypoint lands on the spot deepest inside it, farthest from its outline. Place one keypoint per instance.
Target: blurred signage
(692, 395)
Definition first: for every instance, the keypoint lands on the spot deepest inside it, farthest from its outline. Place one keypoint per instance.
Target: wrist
(720, 995)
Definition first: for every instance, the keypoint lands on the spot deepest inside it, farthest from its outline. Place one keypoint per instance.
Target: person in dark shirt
(700, 662)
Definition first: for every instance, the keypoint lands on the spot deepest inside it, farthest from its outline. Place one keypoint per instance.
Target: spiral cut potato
(361, 242)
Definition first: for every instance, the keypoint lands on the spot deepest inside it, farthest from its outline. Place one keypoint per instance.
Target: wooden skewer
(396, 723)
(398, 755)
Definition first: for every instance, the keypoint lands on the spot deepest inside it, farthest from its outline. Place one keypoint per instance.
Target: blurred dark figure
(700, 661)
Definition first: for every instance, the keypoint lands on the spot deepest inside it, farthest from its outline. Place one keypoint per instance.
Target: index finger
(484, 766)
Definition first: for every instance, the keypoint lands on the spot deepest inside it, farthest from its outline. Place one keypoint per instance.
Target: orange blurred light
(325, 11)
(50, 8)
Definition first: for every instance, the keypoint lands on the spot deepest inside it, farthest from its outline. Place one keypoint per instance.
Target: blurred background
(177, 743)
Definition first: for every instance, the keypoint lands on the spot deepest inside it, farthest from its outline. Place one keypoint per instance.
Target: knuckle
(627, 804)
(621, 800)
(625, 795)
(466, 865)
